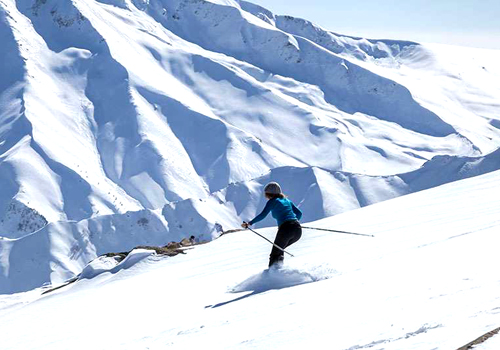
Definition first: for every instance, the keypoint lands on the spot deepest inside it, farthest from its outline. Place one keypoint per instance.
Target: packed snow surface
(427, 280)
(130, 122)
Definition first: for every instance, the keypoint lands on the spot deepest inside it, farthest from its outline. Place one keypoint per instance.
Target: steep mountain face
(179, 111)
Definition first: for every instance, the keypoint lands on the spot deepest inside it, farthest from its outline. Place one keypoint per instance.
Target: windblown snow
(129, 122)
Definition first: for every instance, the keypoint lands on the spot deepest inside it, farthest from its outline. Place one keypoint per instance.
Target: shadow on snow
(267, 280)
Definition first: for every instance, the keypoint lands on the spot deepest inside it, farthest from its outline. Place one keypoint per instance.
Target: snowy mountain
(60, 250)
(427, 280)
(130, 122)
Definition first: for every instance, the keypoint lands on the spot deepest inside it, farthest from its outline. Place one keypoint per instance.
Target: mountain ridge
(323, 192)
(111, 111)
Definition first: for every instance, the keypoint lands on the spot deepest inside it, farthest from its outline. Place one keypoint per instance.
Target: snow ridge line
(494, 224)
(167, 250)
(480, 340)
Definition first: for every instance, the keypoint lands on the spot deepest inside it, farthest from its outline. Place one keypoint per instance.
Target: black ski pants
(289, 232)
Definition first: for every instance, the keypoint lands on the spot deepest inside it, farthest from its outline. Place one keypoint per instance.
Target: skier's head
(273, 190)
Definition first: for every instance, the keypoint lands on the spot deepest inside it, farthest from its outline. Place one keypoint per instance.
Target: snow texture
(110, 265)
(427, 280)
(133, 122)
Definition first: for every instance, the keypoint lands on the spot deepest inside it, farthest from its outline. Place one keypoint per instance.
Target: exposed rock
(19, 220)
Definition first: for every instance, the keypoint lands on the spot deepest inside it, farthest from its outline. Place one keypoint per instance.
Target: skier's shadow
(266, 281)
(231, 301)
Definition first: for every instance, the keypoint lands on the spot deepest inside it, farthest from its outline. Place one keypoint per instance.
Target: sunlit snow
(127, 123)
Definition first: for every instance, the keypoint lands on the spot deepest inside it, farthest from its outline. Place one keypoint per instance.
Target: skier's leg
(282, 238)
(295, 233)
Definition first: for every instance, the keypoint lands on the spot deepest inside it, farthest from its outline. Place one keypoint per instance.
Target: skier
(286, 214)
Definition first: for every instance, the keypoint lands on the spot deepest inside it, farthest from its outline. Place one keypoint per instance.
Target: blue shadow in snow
(269, 280)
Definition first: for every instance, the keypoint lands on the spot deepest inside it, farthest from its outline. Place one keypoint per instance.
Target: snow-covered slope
(60, 250)
(177, 112)
(428, 280)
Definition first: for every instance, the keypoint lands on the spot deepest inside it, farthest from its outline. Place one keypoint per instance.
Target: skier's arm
(265, 211)
(296, 211)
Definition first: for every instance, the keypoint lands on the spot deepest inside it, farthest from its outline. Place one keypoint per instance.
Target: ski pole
(346, 232)
(277, 246)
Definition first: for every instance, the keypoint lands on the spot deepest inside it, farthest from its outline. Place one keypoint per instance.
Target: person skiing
(286, 214)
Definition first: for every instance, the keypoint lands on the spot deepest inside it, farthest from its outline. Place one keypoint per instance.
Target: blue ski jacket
(282, 210)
